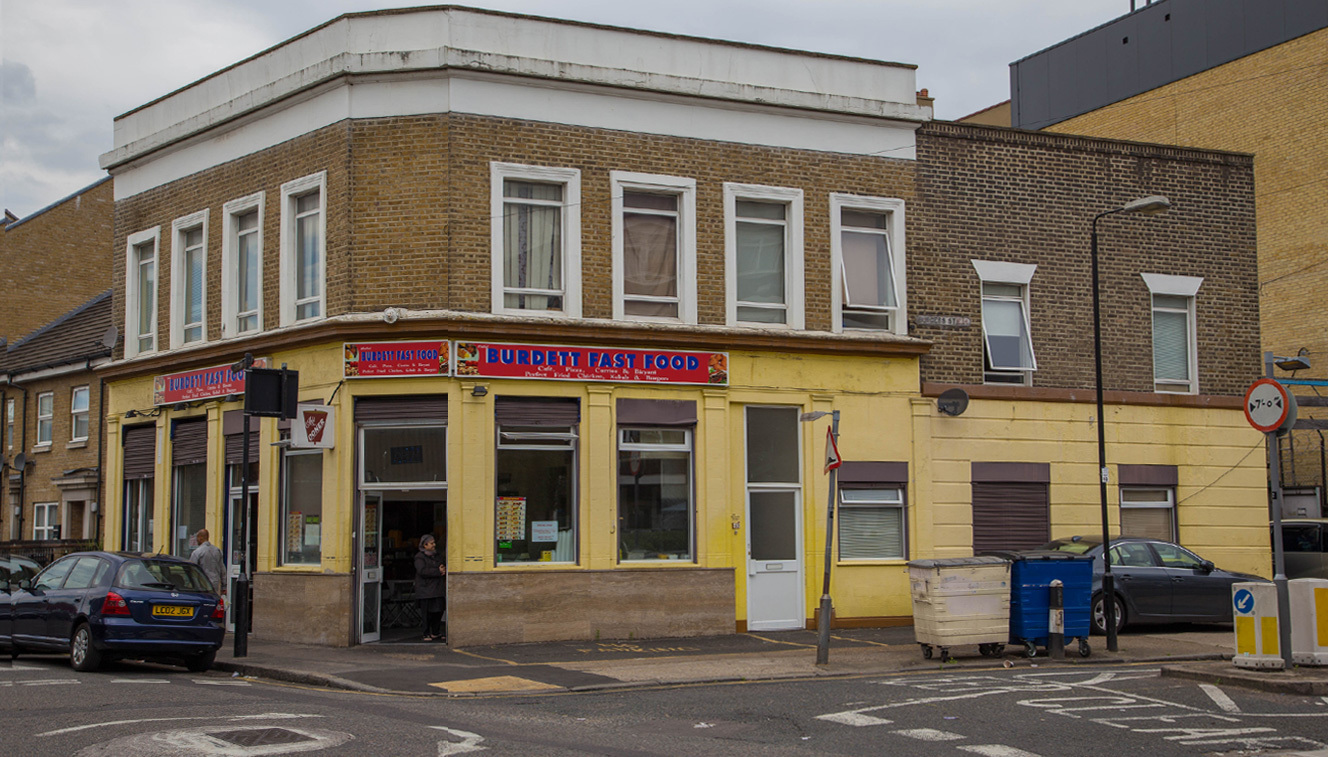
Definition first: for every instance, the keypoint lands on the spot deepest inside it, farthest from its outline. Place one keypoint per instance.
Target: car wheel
(1100, 615)
(201, 663)
(82, 654)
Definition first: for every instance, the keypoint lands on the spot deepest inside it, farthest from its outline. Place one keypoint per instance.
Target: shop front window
(655, 494)
(536, 507)
(404, 455)
(190, 506)
(302, 508)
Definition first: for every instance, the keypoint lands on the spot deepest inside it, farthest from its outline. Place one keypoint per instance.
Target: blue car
(13, 569)
(105, 605)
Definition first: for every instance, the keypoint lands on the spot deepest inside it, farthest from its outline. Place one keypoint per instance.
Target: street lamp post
(827, 607)
(1148, 205)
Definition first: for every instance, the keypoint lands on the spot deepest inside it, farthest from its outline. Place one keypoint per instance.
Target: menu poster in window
(544, 530)
(294, 531)
(511, 518)
(313, 526)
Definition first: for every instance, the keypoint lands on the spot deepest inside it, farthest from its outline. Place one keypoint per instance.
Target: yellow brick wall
(1273, 104)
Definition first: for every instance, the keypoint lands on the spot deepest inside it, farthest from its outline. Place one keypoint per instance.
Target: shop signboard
(202, 384)
(396, 359)
(556, 362)
(312, 427)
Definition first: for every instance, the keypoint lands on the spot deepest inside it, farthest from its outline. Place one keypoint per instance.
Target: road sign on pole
(1267, 405)
(832, 459)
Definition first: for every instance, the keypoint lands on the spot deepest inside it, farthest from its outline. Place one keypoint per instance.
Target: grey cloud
(17, 84)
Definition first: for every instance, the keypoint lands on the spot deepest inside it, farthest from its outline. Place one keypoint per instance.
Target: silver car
(1305, 545)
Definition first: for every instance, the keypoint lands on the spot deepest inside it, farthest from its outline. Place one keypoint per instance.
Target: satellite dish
(952, 401)
(20, 462)
(111, 336)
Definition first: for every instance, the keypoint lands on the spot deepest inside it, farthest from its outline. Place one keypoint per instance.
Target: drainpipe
(23, 447)
(101, 460)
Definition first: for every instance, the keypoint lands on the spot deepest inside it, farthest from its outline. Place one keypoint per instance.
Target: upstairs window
(78, 411)
(141, 292)
(1006, 333)
(867, 249)
(654, 247)
(242, 266)
(1175, 363)
(45, 418)
(9, 424)
(303, 249)
(536, 240)
(189, 279)
(763, 250)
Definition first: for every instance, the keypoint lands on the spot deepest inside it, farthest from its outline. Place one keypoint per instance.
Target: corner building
(558, 294)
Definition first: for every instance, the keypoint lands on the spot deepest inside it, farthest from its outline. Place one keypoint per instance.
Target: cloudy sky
(71, 66)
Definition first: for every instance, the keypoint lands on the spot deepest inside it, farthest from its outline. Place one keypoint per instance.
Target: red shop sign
(542, 361)
(202, 384)
(395, 359)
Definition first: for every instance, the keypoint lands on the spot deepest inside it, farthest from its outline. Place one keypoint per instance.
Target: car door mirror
(25, 584)
(1207, 566)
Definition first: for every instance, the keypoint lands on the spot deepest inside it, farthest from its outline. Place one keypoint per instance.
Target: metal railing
(47, 550)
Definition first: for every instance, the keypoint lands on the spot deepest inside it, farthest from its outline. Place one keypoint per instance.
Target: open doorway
(406, 517)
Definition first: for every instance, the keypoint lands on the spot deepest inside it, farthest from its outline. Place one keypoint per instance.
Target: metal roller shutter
(232, 425)
(432, 407)
(140, 451)
(1010, 516)
(523, 411)
(189, 442)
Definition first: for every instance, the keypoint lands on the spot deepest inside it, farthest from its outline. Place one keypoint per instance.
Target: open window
(867, 250)
(1007, 335)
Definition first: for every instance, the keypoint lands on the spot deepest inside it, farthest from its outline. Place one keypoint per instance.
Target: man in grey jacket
(208, 557)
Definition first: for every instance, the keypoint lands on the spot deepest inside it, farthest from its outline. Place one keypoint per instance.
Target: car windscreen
(162, 575)
(1072, 547)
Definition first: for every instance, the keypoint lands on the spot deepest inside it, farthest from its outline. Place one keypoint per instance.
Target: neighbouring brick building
(1229, 76)
(50, 397)
(559, 293)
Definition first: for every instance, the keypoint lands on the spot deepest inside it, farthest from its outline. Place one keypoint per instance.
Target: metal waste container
(1031, 574)
(960, 600)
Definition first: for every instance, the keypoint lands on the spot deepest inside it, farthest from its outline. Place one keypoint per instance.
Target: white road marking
(854, 719)
(221, 682)
(54, 682)
(140, 680)
(470, 742)
(1219, 698)
(213, 741)
(264, 716)
(1204, 735)
(928, 734)
(996, 750)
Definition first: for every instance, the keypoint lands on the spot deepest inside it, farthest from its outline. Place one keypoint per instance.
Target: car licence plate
(172, 611)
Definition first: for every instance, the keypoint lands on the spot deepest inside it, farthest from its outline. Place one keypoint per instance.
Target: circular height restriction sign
(1267, 405)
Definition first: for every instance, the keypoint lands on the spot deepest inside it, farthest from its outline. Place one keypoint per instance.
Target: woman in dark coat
(430, 586)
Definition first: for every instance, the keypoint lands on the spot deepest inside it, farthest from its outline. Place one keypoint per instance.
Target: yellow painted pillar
(161, 487)
(214, 506)
(599, 512)
(921, 492)
(112, 501)
(719, 529)
(471, 523)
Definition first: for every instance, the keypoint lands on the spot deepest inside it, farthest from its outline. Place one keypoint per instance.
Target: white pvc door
(371, 568)
(774, 561)
(775, 595)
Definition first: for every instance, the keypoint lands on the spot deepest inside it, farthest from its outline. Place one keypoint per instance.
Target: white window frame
(230, 263)
(291, 192)
(45, 532)
(686, 447)
(558, 438)
(47, 418)
(570, 179)
(1167, 285)
(793, 248)
(180, 228)
(74, 413)
(1013, 274)
(685, 190)
(10, 405)
(1169, 505)
(894, 233)
(133, 302)
(879, 497)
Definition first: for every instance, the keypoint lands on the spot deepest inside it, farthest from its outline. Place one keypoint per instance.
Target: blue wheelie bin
(1031, 574)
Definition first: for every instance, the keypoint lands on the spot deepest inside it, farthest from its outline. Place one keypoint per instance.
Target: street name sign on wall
(1268, 405)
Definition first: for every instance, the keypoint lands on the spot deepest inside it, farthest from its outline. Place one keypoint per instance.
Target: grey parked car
(1156, 582)
(13, 569)
(1305, 547)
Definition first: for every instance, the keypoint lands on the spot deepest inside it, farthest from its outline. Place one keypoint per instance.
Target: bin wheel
(991, 650)
(1030, 649)
(926, 652)
(1084, 649)
(945, 654)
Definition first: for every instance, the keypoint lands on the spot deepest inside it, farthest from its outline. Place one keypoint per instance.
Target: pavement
(433, 669)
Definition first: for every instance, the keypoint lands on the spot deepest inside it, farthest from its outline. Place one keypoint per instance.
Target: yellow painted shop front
(578, 492)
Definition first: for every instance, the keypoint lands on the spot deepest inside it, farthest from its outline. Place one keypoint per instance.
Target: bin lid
(952, 562)
(1035, 554)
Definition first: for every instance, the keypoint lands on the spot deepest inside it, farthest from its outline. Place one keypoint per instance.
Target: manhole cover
(261, 737)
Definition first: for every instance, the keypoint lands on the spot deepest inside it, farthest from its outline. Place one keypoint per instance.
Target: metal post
(1056, 620)
(1279, 557)
(1108, 581)
(827, 607)
(241, 598)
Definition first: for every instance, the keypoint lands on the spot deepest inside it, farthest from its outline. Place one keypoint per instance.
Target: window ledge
(39, 448)
(298, 569)
(535, 565)
(77, 444)
(657, 563)
(878, 562)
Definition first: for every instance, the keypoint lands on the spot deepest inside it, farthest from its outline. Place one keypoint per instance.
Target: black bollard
(1056, 621)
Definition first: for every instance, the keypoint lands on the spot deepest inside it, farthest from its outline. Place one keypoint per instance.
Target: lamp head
(1300, 362)
(1150, 205)
(805, 417)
